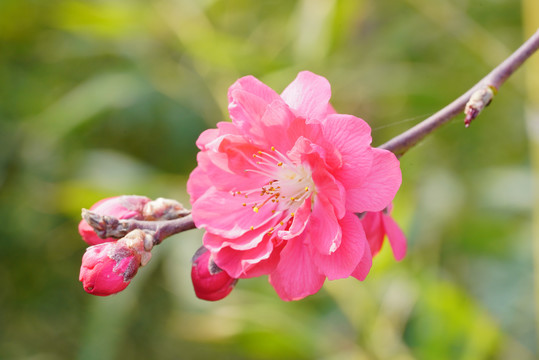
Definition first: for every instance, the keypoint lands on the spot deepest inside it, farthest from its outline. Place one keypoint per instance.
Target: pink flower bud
(209, 281)
(108, 268)
(121, 207)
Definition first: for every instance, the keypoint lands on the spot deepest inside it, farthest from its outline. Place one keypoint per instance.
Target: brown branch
(401, 143)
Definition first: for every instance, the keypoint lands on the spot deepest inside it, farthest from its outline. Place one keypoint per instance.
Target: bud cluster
(109, 264)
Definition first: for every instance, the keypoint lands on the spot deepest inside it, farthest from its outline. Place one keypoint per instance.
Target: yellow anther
(252, 227)
(255, 209)
(279, 164)
(282, 223)
(306, 188)
(273, 148)
(292, 215)
(244, 204)
(292, 198)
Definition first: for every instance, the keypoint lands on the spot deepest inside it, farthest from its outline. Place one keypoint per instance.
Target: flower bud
(108, 268)
(121, 207)
(163, 209)
(209, 281)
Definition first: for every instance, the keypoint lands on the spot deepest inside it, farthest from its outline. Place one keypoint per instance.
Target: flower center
(288, 186)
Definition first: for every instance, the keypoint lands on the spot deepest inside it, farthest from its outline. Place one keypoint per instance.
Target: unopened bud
(478, 101)
(108, 268)
(120, 207)
(164, 209)
(209, 281)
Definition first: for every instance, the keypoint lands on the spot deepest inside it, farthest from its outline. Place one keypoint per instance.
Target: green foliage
(107, 97)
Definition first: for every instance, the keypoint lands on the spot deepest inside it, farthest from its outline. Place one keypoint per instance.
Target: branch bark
(403, 142)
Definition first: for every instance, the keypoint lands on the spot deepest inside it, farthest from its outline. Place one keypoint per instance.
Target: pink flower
(108, 268)
(379, 224)
(276, 190)
(209, 281)
(121, 207)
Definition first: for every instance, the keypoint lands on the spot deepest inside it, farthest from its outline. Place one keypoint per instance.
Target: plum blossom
(277, 189)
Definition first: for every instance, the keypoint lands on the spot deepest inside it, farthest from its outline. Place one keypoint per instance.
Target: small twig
(401, 143)
(107, 226)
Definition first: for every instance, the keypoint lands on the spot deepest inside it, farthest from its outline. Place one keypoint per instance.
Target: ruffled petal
(341, 263)
(248, 101)
(396, 237)
(325, 231)
(296, 276)
(223, 214)
(374, 230)
(198, 183)
(378, 189)
(352, 138)
(237, 262)
(308, 95)
(364, 266)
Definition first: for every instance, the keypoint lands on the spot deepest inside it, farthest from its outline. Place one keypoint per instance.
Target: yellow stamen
(255, 209)
(279, 164)
(273, 148)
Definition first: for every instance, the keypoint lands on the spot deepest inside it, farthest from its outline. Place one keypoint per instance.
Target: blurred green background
(107, 97)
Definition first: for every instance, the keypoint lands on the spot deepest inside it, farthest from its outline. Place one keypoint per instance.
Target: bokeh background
(107, 97)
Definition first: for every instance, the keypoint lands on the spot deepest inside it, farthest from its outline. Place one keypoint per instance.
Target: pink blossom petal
(237, 262)
(299, 221)
(346, 258)
(364, 266)
(213, 171)
(247, 241)
(223, 214)
(331, 189)
(276, 118)
(352, 138)
(264, 266)
(254, 86)
(378, 189)
(374, 230)
(248, 100)
(396, 237)
(296, 276)
(198, 182)
(324, 227)
(308, 95)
